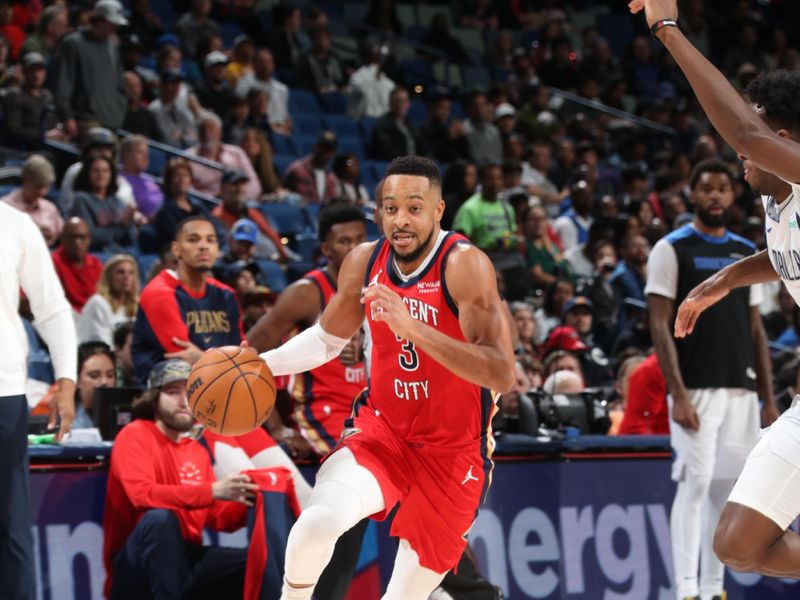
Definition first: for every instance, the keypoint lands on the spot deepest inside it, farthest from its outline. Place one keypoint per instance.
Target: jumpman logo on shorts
(469, 477)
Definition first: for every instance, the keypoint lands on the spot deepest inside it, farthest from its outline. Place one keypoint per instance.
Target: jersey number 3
(408, 358)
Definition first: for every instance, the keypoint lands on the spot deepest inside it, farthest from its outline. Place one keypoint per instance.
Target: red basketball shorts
(439, 490)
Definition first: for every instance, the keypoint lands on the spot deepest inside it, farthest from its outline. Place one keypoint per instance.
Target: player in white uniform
(752, 534)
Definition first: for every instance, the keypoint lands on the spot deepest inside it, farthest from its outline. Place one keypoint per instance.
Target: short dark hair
(778, 94)
(336, 213)
(121, 333)
(416, 165)
(192, 219)
(712, 165)
(89, 349)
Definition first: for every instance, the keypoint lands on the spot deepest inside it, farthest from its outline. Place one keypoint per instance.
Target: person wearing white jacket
(25, 265)
(114, 303)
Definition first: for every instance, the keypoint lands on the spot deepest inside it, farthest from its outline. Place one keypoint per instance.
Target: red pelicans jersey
(421, 401)
(324, 396)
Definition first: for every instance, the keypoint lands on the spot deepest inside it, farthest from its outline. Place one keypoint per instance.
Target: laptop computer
(112, 409)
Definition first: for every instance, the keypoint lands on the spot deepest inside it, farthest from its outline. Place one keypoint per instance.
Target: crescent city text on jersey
(408, 356)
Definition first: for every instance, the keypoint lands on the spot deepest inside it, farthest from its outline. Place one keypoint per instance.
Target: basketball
(231, 390)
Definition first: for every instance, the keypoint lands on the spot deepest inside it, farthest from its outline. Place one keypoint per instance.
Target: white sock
(291, 593)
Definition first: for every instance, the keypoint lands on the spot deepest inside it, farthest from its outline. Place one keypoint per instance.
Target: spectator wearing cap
(241, 62)
(392, 135)
(234, 208)
(90, 90)
(543, 257)
(99, 141)
(573, 226)
(213, 92)
(242, 246)
(176, 123)
(130, 49)
(320, 70)
(577, 313)
(441, 137)
(137, 118)
(194, 26)
(310, 176)
(53, 24)
(233, 158)
(485, 143)
(505, 119)
(146, 191)
(370, 86)
(262, 78)
(77, 270)
(564, 339)
(26, 109)
(37, 177)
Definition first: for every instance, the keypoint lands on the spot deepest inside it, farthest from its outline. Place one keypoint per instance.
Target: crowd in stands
(566, 138)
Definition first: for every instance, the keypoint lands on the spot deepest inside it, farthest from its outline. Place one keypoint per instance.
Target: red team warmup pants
(439, 489)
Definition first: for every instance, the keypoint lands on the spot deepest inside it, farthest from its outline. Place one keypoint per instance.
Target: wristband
(661, 23)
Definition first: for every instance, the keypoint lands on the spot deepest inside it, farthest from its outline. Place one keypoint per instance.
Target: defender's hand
(705, 295)
(655, 10)
(385, 305)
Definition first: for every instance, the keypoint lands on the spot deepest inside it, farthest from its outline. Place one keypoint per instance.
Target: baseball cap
(504, 110)
(257, 295)
(215, 58)
(33, 59)
(167, 39)
(234, 176)
(171, 75)
(576, 302)
(100, 136)
(242, 38)
(233, 270)
(328, 139)
(563, 338)
(245, 230)
(168, 371)
(111, 11)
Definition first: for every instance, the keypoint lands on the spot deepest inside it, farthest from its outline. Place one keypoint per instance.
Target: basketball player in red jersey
(420, 434)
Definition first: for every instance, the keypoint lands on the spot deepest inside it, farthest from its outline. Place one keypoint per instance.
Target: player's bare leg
(748, 541)
(344, 494)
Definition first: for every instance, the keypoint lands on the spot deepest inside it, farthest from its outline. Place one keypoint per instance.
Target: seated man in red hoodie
(162, 493)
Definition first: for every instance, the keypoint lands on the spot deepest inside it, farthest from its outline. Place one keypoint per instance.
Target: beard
(709, 220)
(175, 421)
(414, 254)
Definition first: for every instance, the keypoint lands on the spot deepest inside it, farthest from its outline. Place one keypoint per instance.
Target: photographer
(603, 295)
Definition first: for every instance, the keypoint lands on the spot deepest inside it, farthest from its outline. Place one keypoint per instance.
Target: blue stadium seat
(372, 231)
(617, 28)
(306, 245)
(376, 168)
(333, 103)
(145, 263)
(295, 270)
(457, 110)
(303, 102)
(307, 124)
(416, 72)
(312, 215)
(157, 160)
(304, 143)
(282, 144)
(366, 125)
(229, 32)
(342, 125)
(281, 163)
(351, 145)
(164, 11)
(272, 274)
(476, 77)
(417, 112)
(288, 219)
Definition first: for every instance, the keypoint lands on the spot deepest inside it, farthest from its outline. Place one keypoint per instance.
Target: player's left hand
(62, 404)
(387, 306)
(190, 352)
(769, 414)
(655, 10)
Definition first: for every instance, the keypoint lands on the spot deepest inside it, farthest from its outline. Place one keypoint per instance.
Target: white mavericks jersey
(782, 228)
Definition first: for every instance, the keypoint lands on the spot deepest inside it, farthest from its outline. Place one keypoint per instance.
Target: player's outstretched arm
(339, 322)
(298, 304)
(487, 357)
(747, 271)
(736, 122)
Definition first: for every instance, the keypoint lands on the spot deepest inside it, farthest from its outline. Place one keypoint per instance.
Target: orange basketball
(231, 390)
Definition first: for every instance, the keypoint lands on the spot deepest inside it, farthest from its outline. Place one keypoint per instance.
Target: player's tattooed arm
(732, 117)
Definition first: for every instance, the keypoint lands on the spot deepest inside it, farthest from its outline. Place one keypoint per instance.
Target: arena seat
(342, 125)
(303, 102)
(307, 124)
(287, 218)
(273, 274)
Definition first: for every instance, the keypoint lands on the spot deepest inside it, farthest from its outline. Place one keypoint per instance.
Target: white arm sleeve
(307, 350)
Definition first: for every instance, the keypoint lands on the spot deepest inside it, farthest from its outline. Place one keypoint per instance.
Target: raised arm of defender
(487, 357)
(747, 271)
(736, 122)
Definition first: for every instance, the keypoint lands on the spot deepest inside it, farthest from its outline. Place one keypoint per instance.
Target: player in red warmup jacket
(420, 435)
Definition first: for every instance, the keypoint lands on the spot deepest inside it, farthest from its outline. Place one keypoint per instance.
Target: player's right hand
(655, 10)
(708, 293)
(235, 487)
(685, 415)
